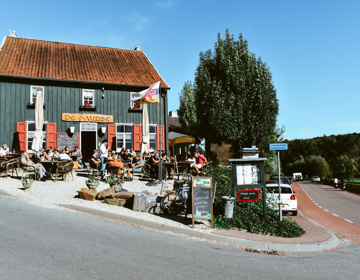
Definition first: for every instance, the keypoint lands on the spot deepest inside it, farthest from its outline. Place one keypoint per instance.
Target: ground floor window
(124, 136)
(31, 132)
(152, 136)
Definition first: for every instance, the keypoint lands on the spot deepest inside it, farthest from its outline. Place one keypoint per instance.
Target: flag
(150, 95)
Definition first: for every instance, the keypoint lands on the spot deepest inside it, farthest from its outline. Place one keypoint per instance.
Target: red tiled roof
(71, 62)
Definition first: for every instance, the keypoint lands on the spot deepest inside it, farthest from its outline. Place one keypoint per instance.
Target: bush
(223, 178)
(249, 216)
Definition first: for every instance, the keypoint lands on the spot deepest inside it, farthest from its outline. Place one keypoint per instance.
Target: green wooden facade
(66, 97)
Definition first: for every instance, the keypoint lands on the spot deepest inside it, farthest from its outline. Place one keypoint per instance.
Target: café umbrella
(179, 138)
(39, 121)
(145, 130)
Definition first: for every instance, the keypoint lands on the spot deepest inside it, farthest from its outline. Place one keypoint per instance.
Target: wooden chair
(13, 165)
(141, 172)
(114, 171)
(28, 168)
(63, 169)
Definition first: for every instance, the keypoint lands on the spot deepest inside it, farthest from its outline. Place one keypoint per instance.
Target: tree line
(328, 156)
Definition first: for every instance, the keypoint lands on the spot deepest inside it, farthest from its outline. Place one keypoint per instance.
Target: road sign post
(279, 147)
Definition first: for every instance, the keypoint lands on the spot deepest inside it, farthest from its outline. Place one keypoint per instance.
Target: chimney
(12, 33)
(137, 48)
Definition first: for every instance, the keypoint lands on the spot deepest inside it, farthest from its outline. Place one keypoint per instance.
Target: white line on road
(349, 221)
(335, 215)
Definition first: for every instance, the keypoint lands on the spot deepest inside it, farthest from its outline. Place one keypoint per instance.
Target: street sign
(279, 146)
(248, 195)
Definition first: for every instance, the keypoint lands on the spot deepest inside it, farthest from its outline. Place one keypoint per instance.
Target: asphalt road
(42, 243)
(335, 201)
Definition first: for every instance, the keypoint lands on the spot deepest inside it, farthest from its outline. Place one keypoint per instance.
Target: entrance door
(88, 144)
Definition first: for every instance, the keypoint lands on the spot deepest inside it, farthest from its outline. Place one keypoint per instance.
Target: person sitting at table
(126, 156)
(137, 166)
(77, 152)
(38, 166)
(132, 152)
(64, 156)
(44, 156)
(4, 150)
(56, 154)
(167, 168)
(67, 151)
(95, 162)
(200, 160)
(50, 152)
(154, 163)
(117, 162)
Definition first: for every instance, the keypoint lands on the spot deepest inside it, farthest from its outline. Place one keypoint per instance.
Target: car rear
(289, 201)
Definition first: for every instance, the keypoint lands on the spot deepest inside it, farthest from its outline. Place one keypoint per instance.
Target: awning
(179, 138)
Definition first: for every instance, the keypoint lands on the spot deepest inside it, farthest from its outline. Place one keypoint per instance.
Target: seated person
(132, 152)
(56, 154)
(67, 151)
(117, 162)
(154, 163)
(4, 150)
(126, 156)
(51, 152)
(95, 162)
(167, 168)
(137, 166)
(44, 156)
(64, 156)
(38, 166)
(77, 152)
(200, 161)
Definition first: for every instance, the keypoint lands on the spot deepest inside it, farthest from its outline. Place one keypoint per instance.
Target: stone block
(87, 194)
(107, 193)
(125, 195)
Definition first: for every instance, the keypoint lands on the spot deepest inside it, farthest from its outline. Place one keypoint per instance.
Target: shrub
(223, 178)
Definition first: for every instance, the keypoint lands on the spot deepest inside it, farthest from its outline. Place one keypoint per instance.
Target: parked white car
(288, 198)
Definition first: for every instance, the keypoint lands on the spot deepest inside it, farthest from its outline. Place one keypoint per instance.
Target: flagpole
(160, 161)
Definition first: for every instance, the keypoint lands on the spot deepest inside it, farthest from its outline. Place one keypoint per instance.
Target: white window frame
(123, 136)
(132, 104)
(37, 88)
(32, 133)
(88, 92)
(152, 137)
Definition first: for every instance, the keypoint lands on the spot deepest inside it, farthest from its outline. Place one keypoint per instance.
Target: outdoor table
(50, 165)
(74, 157)
(185, 168)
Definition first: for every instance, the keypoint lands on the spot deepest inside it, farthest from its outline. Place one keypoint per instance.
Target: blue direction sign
(280, 146)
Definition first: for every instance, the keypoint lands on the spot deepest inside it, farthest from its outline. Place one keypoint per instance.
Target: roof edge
(3, 42)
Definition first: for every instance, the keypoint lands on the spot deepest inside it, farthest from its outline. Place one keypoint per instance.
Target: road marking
(325, 210)
(348, 221)
(335, 215)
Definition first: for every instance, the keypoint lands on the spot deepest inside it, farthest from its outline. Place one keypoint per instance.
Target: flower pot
(116, 186)
(27, 182)
(92, 184)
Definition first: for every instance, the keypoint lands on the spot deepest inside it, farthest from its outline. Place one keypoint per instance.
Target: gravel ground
(51, 194)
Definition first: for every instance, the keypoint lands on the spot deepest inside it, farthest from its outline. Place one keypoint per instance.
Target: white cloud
(137, 21)
(165, 4)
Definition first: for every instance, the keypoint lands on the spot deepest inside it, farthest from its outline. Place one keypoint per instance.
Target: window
(124, 136)
(88, 126)
(133, 105)
(152, 136)
(31, 132)
(88, 98)
(33, 93)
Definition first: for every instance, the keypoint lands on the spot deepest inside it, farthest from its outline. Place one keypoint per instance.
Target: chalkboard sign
(248, 195)
(65, 139)
(202, 207)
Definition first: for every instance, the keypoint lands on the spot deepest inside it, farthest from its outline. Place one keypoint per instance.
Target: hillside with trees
(327, 156)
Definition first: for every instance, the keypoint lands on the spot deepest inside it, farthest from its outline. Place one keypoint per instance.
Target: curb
(330, 244)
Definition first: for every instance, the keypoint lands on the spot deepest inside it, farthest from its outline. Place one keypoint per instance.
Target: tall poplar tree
(234, 97)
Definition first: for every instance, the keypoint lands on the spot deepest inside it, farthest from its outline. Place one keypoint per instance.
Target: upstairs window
(34, 90)
(88, 98)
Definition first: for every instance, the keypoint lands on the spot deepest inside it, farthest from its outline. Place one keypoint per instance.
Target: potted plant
(114, 183)
(27, 181)
(92, 182)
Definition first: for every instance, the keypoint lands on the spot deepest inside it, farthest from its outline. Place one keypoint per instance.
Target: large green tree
(233, 99)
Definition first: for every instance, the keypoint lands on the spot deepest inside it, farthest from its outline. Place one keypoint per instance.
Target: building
(86, 95)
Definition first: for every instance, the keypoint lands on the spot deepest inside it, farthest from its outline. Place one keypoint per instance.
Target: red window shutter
(137, 137)
(162, 148)
(21, 129)
(51, 136)
(112, 136)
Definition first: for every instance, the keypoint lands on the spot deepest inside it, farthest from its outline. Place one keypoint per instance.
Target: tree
(234, 98)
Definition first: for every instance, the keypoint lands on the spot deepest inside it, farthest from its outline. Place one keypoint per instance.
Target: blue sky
(311, 47)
